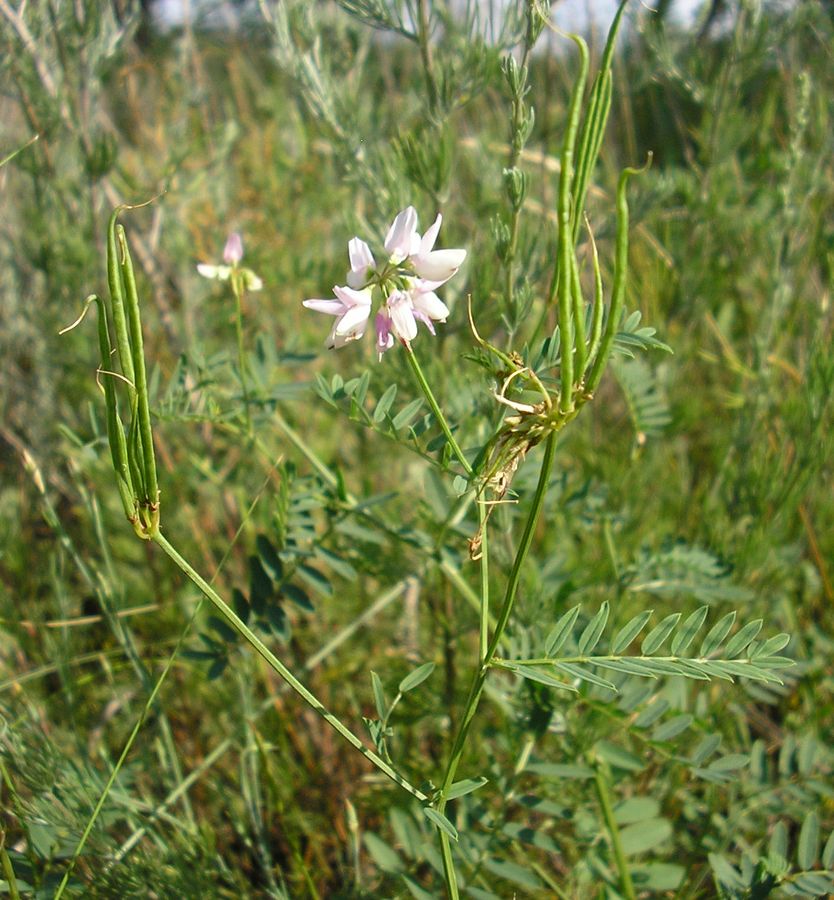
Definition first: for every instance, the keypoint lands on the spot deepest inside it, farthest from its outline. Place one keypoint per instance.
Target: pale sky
(569, 15)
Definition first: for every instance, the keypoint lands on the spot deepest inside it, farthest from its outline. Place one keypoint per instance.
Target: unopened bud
(515, 184)
(233, 251)
(515, 75)
(501, 236)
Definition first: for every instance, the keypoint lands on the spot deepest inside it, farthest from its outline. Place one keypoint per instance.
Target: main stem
(479, 678)
(604, 796)
(483, 632)
(269, 657)
(435, 408)
(241, 358)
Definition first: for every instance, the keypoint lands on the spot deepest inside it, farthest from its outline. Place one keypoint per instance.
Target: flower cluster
(232, 255)
(407, 282)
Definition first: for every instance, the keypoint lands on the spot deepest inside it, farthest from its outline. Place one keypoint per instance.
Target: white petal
(403, 323)
(353, 321)
(360, 255)
(361, 259)
(439, 265)
(430, 304)
(336, 341)
(351, 297)
(402, 235)
(428, 239)
(220, 272)
(330, 307)
(251, 281)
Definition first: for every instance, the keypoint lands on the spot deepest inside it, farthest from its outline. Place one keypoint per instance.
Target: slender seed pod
(143, 415)
(620, 272)
(115, 429)
(599, 301)
(565, 245)
(115, 283)
(578, 318)
(599, 105)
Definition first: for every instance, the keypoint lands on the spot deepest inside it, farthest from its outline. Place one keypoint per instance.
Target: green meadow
(525, 588)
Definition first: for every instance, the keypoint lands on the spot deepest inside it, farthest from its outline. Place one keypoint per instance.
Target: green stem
(277, 666)
(309, 454)
(479, 678)
(8, 869)
(82, 841)
(435, 408)
(241, 358)
(483, 520)
(604, 796)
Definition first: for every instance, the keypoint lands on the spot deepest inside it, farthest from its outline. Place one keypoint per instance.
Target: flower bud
(515, 184)
(233, 251)
(501, 237)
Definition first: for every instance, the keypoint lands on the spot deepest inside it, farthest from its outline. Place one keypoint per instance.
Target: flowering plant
(406, 284)
(232, 255)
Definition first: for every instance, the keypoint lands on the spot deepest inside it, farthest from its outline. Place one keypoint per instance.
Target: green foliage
(675, 750)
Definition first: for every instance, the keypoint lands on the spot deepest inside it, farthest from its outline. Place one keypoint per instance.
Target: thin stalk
(483, 644)
(180, 791)
(241, 357)
(620, 271)
(82, 841)
(308, 453)
(435, 408)
(604, 796)
(8, 869)
(280, 669)
(479, 678)
(484, 621)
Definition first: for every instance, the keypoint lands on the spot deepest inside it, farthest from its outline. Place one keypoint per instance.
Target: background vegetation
(698, 478)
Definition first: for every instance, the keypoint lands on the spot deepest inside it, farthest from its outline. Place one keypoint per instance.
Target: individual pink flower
(428, 307)
(232, 255)
(351, 308)
(395, 319)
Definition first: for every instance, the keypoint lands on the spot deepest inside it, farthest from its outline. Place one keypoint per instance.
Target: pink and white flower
(232, 255)
(407, 283)
(351, 308)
